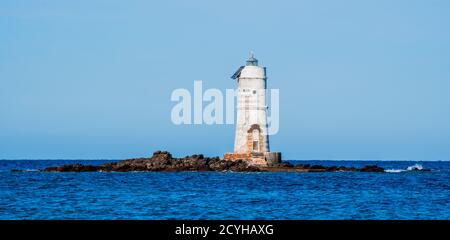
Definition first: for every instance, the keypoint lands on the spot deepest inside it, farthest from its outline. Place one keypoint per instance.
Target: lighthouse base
(260, 159)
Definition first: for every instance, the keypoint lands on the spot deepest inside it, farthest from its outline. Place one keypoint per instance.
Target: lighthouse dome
(252, 61)
(251, 70)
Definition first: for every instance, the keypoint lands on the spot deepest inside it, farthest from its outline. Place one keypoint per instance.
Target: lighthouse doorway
(255, 138)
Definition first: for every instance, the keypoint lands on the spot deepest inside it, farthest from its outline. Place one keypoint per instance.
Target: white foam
(415, 167)
(394, 170)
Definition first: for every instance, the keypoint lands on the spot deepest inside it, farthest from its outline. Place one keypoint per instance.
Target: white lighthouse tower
(252, 140)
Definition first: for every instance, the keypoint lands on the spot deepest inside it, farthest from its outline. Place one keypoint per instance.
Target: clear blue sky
(92, 79)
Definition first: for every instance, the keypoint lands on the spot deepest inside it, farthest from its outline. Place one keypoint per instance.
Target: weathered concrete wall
(253, 159)
(251, 109)
(273, 157)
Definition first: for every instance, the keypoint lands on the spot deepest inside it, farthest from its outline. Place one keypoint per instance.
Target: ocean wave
(24, 170)
(394, 170)
(415, 167)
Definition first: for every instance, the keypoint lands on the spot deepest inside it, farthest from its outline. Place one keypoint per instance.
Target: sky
(92, 79)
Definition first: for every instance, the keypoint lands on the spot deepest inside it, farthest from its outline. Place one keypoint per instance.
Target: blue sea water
(225, 195)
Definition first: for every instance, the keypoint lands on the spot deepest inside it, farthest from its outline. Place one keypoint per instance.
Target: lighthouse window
(255, 146)
(255, 136)
(254, 91)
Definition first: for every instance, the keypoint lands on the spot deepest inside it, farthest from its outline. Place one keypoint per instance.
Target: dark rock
(317, 167)
(302, 166)
(332, 169)
(162, 161)
(281, 165)
(73, 168)
(371, 168)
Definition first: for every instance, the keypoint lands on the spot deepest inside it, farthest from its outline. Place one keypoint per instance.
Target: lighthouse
(251, 141)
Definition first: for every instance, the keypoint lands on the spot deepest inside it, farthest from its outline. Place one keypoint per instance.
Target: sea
(399, 193)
